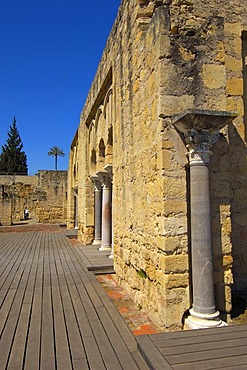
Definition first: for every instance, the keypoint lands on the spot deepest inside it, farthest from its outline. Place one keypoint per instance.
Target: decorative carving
(105, 178)
(97, 183)
(199, 143)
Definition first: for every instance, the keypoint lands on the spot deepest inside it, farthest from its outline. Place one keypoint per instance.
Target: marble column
(75, 207)
(109, 169)
(106, 210)
(97, 208)
(201, 131)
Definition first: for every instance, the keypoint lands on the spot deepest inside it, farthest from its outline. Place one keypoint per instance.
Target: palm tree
(55, 152)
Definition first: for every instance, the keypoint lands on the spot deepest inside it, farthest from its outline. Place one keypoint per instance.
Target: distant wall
(5, 210)
(44, 195)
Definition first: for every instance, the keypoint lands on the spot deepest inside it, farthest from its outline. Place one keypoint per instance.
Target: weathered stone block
(174, 264)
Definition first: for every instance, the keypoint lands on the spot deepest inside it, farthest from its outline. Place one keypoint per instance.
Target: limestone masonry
(157, 170)
(44, 195)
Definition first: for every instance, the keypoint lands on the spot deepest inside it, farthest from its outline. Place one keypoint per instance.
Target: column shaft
(106, 218)
(97, 215)
(76, 211)
(202, 269)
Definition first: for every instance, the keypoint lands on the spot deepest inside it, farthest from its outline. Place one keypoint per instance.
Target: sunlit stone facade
(164, 58)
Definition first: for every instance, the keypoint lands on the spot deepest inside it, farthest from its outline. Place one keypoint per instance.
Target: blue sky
(50, 50)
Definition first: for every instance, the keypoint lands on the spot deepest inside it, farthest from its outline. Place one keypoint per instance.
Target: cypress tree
(13, 159)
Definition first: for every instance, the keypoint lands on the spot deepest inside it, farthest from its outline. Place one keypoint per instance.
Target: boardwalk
(219, 348)
(54, 313)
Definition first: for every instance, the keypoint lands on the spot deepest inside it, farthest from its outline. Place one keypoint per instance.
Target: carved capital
(199, 144)
(200, 129)
(97, 183)
(104, 178)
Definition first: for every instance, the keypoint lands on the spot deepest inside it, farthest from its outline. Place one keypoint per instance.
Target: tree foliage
(56, 152)
(13, 159)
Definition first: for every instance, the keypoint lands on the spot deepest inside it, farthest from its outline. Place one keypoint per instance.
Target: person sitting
(26, 214)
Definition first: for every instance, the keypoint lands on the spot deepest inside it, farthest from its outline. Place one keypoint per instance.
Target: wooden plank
(6, 308)
(206, 355)
(16, 306)
(33, 340)
(80, 364)
(47, 357)
(189, 348)
(126, 334)
(16, 358)
(166, 343)
(108, 355)
(199, 332)
(19, 343)
(236, 367)
(6, 341)
(140, 362)
(91, 348)
(63, 359)
(150, 353)
(222, 363)
(79, 297)
(122, 352)
(95, 339)
(119, 322)
(12, 272)
(75, 341)
(9, 248)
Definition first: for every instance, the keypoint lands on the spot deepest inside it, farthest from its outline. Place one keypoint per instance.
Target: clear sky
(50, 50)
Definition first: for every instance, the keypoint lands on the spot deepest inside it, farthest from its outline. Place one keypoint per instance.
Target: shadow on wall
(238, 210)
(228, 180)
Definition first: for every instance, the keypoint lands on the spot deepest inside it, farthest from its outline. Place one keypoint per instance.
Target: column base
(111, 256)
(105, 248)
(203, 321)
(96, 242)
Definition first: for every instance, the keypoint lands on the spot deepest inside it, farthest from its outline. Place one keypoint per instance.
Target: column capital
(104, 178)
(75, 188)
(109, 168)
(200, 129)
(199, 144)
(96, 181)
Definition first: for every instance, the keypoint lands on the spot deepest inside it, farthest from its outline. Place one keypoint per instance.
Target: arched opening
(101, 158)
(109, 146)
(93, 160)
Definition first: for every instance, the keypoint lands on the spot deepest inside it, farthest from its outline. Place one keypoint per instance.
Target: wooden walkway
(54, 315)
(219, 348)
(95, 260)
(53, 312)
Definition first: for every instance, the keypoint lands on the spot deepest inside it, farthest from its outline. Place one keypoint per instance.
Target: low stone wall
(44, 195)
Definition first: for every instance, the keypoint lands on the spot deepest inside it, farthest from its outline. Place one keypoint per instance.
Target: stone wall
(44, 195)
(162, 58)
(5, 209)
